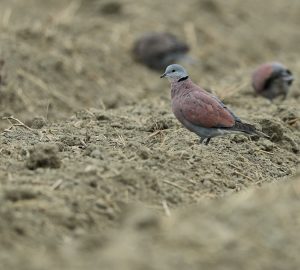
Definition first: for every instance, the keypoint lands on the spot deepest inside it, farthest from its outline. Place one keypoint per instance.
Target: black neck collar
(183, 79)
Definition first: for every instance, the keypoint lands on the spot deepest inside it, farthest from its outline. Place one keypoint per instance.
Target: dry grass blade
(174, 185)
(245, 176)
(156, 132)
(16, 123)
(57, 184)
(293, 121)
(241, 174)
(166, 208)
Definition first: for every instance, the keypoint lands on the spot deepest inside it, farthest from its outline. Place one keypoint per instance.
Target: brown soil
(100, 175)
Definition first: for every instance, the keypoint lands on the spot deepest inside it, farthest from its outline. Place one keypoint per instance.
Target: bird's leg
(207, 141)
(201, 140)
(284, 96)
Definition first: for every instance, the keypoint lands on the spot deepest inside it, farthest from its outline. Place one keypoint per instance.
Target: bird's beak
(289, 79)
(164, 75)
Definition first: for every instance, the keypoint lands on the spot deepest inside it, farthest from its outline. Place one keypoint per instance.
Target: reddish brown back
(261, 75)
(198, 107)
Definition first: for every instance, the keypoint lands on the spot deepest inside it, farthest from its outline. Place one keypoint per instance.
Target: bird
(272, 80)
(201, 112)
(2, 75)
(159, 49)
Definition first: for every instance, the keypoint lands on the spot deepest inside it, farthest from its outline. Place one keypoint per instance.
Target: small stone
(94, 151)
(207, 183)
(96, 154)
(143, 152)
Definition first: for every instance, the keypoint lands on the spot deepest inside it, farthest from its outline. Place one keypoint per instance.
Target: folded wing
(203, 110)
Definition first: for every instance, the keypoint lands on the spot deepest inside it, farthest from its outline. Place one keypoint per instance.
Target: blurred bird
(2, 62)
(158, 50)
(271, 80)
(201, 112)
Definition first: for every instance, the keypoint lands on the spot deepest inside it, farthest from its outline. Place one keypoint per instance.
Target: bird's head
(175, 73)
(285, 75)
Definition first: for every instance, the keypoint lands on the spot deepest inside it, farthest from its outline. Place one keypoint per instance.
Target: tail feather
(249, 129)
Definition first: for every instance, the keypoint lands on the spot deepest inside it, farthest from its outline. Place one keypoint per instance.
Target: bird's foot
(206, 142)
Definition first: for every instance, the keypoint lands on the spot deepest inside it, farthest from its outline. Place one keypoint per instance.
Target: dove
(2, 62)
(271, 80)
(201, 112)
(158, 50)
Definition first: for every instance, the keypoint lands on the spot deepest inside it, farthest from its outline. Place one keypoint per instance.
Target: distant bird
(2, 76)
(201, 112)
(158, 50)
(271, 80)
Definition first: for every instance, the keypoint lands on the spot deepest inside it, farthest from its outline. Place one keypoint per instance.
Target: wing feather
(204, 110)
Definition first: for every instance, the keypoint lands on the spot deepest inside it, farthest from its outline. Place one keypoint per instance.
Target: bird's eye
(173, 70)
(288, 72)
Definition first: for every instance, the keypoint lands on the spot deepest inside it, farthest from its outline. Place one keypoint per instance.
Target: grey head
(175, 73)
(280, 71)
(279, 82)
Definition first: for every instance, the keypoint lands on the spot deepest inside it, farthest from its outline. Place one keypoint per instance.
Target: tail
(249, 129)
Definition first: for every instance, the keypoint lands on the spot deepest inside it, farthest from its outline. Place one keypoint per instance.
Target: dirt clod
(38, 122)
(94, 151)
(14, 194)
(273, 128)
(43, 156)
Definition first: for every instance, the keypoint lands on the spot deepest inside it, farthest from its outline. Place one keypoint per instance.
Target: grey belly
(277, 88)
(200, 131)
(206, 132)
